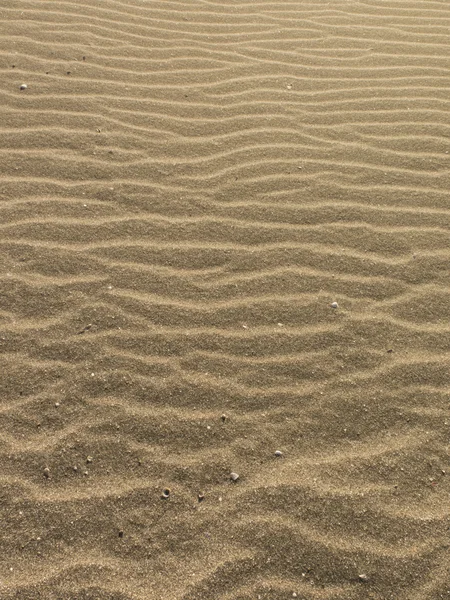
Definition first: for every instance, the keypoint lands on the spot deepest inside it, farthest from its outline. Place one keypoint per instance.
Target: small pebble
(23, 86)
(121, 534)
(201, 497)
(224, 418)
(278, 453)
(57, 404)
(234, 476)
(363, 577)
(75, 468)
(47, 472)
(334, 305)
(89, 459)
(165, 494)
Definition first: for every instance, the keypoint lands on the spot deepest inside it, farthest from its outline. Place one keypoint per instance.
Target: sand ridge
(186, 187)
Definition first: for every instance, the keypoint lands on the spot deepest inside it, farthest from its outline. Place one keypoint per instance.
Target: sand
(186, 187)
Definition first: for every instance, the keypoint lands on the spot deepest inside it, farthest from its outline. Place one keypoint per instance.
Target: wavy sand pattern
(186, 186)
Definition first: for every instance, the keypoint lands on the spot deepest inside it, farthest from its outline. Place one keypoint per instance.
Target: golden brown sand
(186, 186)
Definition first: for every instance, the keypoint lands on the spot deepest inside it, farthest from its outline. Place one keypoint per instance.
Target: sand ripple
(185, 188)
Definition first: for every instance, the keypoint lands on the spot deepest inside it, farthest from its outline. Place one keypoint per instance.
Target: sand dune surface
(224, 235)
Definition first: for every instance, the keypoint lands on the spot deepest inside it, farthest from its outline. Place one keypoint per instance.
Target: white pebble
(234, 476)
(334, 305)
(278, 453)
(23, 86)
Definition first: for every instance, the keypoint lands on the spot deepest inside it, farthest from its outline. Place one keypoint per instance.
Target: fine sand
(186, 188)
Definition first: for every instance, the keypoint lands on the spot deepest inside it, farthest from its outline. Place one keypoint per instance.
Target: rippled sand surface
(186, 186)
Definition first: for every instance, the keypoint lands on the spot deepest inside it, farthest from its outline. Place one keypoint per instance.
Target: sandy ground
(186, 187)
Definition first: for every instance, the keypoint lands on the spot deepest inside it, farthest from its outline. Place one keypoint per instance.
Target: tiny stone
(234, 476)
(57, 404)
(23, 86)
(121, 534)
(334, 305)
(47, 472)
(165, 494)
(363, 577)
(86, 473)
(278, 453)
(75, 468)
(201, 497)
(224, 418)
(89, 459)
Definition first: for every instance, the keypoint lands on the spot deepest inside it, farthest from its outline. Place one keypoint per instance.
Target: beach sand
(186, 188)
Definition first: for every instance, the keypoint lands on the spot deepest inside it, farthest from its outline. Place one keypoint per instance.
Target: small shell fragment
(234, 476)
